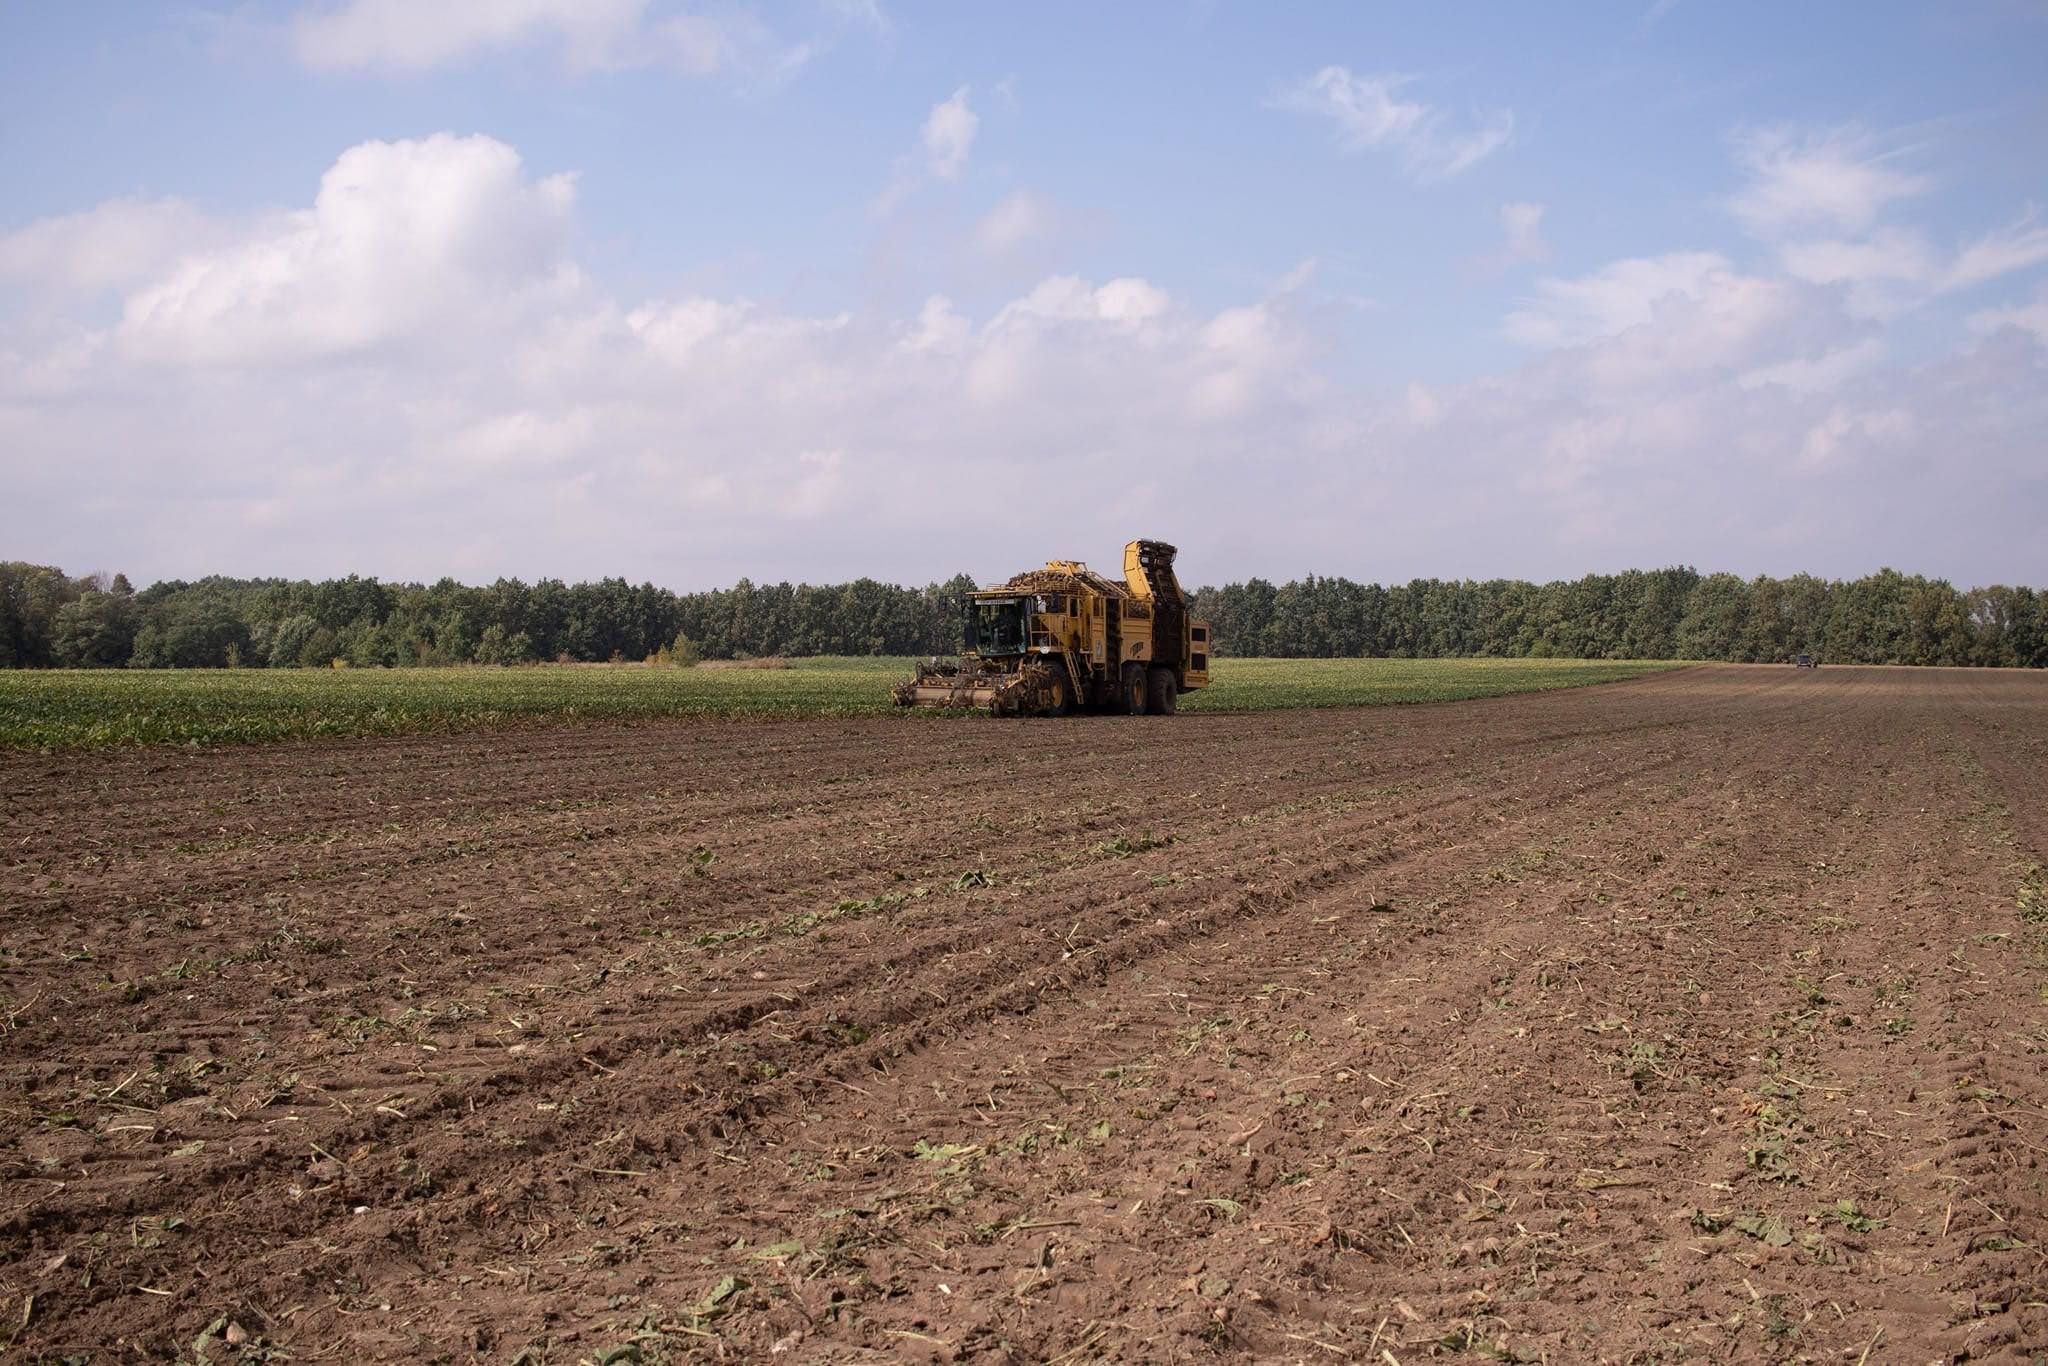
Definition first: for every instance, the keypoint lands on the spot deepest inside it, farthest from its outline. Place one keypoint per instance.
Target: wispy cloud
(1368, 113)
(945, 141)
(1018, 219)
(2029, 317)
(593, 35)
(2016, 247)
(1571, 312)
(1836, 179)
(949, 135)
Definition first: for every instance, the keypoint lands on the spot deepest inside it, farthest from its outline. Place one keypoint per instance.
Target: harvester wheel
(1059, 694)
(1162, 693)
(1131, 697)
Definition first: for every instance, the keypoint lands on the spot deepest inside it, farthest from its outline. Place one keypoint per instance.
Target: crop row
(48, 709)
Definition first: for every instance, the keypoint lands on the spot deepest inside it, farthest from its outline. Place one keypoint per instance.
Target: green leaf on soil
(1123, 846)
(1765, 1228)
(1845, 1213)
(714, 1303)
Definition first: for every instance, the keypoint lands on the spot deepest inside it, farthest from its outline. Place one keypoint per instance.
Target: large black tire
(1162, 693)
(1062, 692)
(1131, 695)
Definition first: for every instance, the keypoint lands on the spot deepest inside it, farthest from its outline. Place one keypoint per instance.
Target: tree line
(48, 619)
(1676, 613)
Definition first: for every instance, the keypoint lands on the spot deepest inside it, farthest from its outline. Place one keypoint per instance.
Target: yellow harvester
(1064, 638)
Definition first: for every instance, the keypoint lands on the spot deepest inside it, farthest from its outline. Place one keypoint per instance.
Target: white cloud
(418, 241)
(412, 377)
(1019, 219)
(2017, 247)
(868, 13)
(593, 35)
(1368, 113)
(1424, 408)
(1130, 300)
(697, 45)
(120, 242)
(2029, 317)
(1524, 226)
(938, 328)
(415, 35)
(949, 135)
(523, 438)
(1821, 197)
(1068, 298)
(1888, 255)
(1833, 180)
(1522, 241)
(1892, 270)
(1571, 312)
(1835, 440)
(1818, 373)
(1651, 325)
(816, 488)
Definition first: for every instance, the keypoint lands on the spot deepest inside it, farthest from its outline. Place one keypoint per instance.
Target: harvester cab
(1064, 638)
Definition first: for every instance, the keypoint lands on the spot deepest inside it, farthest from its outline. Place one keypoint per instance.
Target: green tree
(94, 631)
(498, 646)
(1715, 620)
(288, 641)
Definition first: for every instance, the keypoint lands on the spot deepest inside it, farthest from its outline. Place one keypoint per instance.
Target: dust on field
(1686, 1017)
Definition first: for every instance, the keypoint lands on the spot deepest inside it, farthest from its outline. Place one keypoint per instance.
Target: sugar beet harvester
(1064, 638)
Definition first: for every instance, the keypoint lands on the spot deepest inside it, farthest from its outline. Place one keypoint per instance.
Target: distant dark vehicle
(1806, 662)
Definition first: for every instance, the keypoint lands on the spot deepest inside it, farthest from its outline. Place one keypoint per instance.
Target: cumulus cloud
(1368, 113)
(1818, 370)
(121, 242)
(429, 241)
(1831, 440)
(949, 135)
(411, 376)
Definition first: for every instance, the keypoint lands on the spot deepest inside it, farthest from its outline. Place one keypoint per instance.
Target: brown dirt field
(1700, 1016)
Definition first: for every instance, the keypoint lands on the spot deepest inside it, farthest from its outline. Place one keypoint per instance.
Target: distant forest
(48, 619)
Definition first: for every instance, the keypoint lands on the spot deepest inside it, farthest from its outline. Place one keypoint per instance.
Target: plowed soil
(1699, 1016)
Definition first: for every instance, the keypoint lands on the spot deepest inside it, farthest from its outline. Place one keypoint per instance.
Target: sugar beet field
(54, 708)
(1694, 1016)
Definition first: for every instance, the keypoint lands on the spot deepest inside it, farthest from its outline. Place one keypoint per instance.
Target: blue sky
(414, 287)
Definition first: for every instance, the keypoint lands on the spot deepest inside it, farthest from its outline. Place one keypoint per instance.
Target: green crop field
(69, 708)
